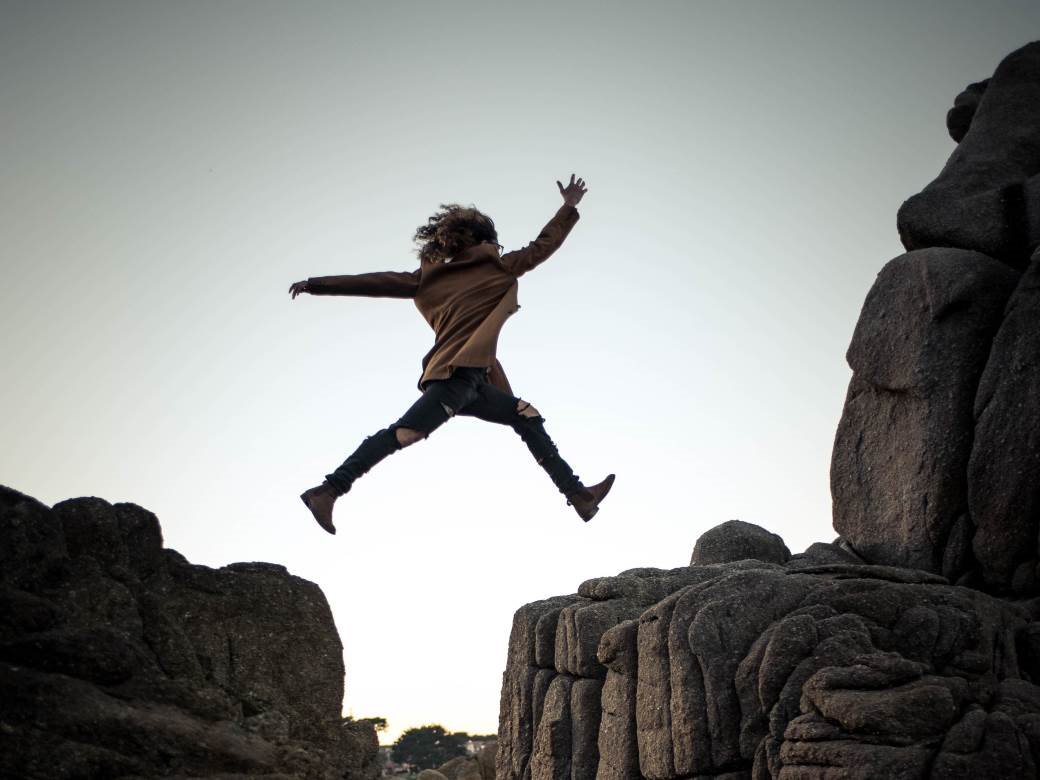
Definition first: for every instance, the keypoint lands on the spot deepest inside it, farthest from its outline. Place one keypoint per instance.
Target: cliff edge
(909, 647)
(120, 659)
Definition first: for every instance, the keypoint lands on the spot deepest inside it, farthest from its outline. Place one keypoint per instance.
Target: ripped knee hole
(407, 436)
(525, 409)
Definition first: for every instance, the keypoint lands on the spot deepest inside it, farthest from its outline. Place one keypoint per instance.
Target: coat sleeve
(523, 260)
(382, 284)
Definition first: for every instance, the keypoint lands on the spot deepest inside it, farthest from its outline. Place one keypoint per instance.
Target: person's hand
(573, 192)
(297, 288)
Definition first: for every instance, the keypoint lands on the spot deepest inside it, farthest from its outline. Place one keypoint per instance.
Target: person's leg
(432, 409)
(497, 406)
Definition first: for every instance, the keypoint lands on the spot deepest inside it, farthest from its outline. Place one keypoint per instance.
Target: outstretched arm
(549, 240)
(382, 284)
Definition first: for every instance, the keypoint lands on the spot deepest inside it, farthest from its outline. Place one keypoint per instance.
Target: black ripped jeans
(468, 392)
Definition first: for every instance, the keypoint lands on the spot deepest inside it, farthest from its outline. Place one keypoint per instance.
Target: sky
(167, 170)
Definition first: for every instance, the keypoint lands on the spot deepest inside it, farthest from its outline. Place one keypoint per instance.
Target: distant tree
(428, 747)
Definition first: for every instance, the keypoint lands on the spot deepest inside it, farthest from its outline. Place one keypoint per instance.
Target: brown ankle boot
(586, 500)
(320, 500)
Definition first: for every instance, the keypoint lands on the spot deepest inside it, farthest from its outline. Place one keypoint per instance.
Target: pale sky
(169, 168)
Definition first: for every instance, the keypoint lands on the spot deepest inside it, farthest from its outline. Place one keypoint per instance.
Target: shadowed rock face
(910, 646)
(119, 658)
(935, 461)
(898, 472)
(958, 118)
(987, 197)
(1004, 470)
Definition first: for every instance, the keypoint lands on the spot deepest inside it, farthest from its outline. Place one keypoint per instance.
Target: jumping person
(465, 289)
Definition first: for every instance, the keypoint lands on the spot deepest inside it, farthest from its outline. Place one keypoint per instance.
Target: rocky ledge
(120, 659)
(910, 646)
(820, 666)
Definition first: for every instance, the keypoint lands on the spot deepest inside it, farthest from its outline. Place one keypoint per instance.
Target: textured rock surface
(902, 446)
(987, 197)
(1004, 471)
(118, 658)
(761, 670)
(935, 461)
(909, 647)
(736, 540)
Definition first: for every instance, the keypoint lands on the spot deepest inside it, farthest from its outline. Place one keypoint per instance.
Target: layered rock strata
(118, 658)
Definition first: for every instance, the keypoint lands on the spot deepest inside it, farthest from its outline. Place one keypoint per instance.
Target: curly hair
(452, 229)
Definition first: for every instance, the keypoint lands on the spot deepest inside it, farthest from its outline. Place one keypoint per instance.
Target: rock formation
(118, 658)
(985, 198)
(910, 646)
(905, 437)
(935, 457)
(471, 767)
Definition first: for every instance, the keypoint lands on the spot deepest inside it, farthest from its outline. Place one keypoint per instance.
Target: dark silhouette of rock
(958, 118)
(736, 540)
(987, 197)
(1004, 471)
(118, 658)
(917, 353)
(909, 647)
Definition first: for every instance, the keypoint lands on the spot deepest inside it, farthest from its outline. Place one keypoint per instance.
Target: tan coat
(466, 300)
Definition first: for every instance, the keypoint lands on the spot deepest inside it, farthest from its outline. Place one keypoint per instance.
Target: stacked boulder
(118, 658)
(936, 460)
(910, 646)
